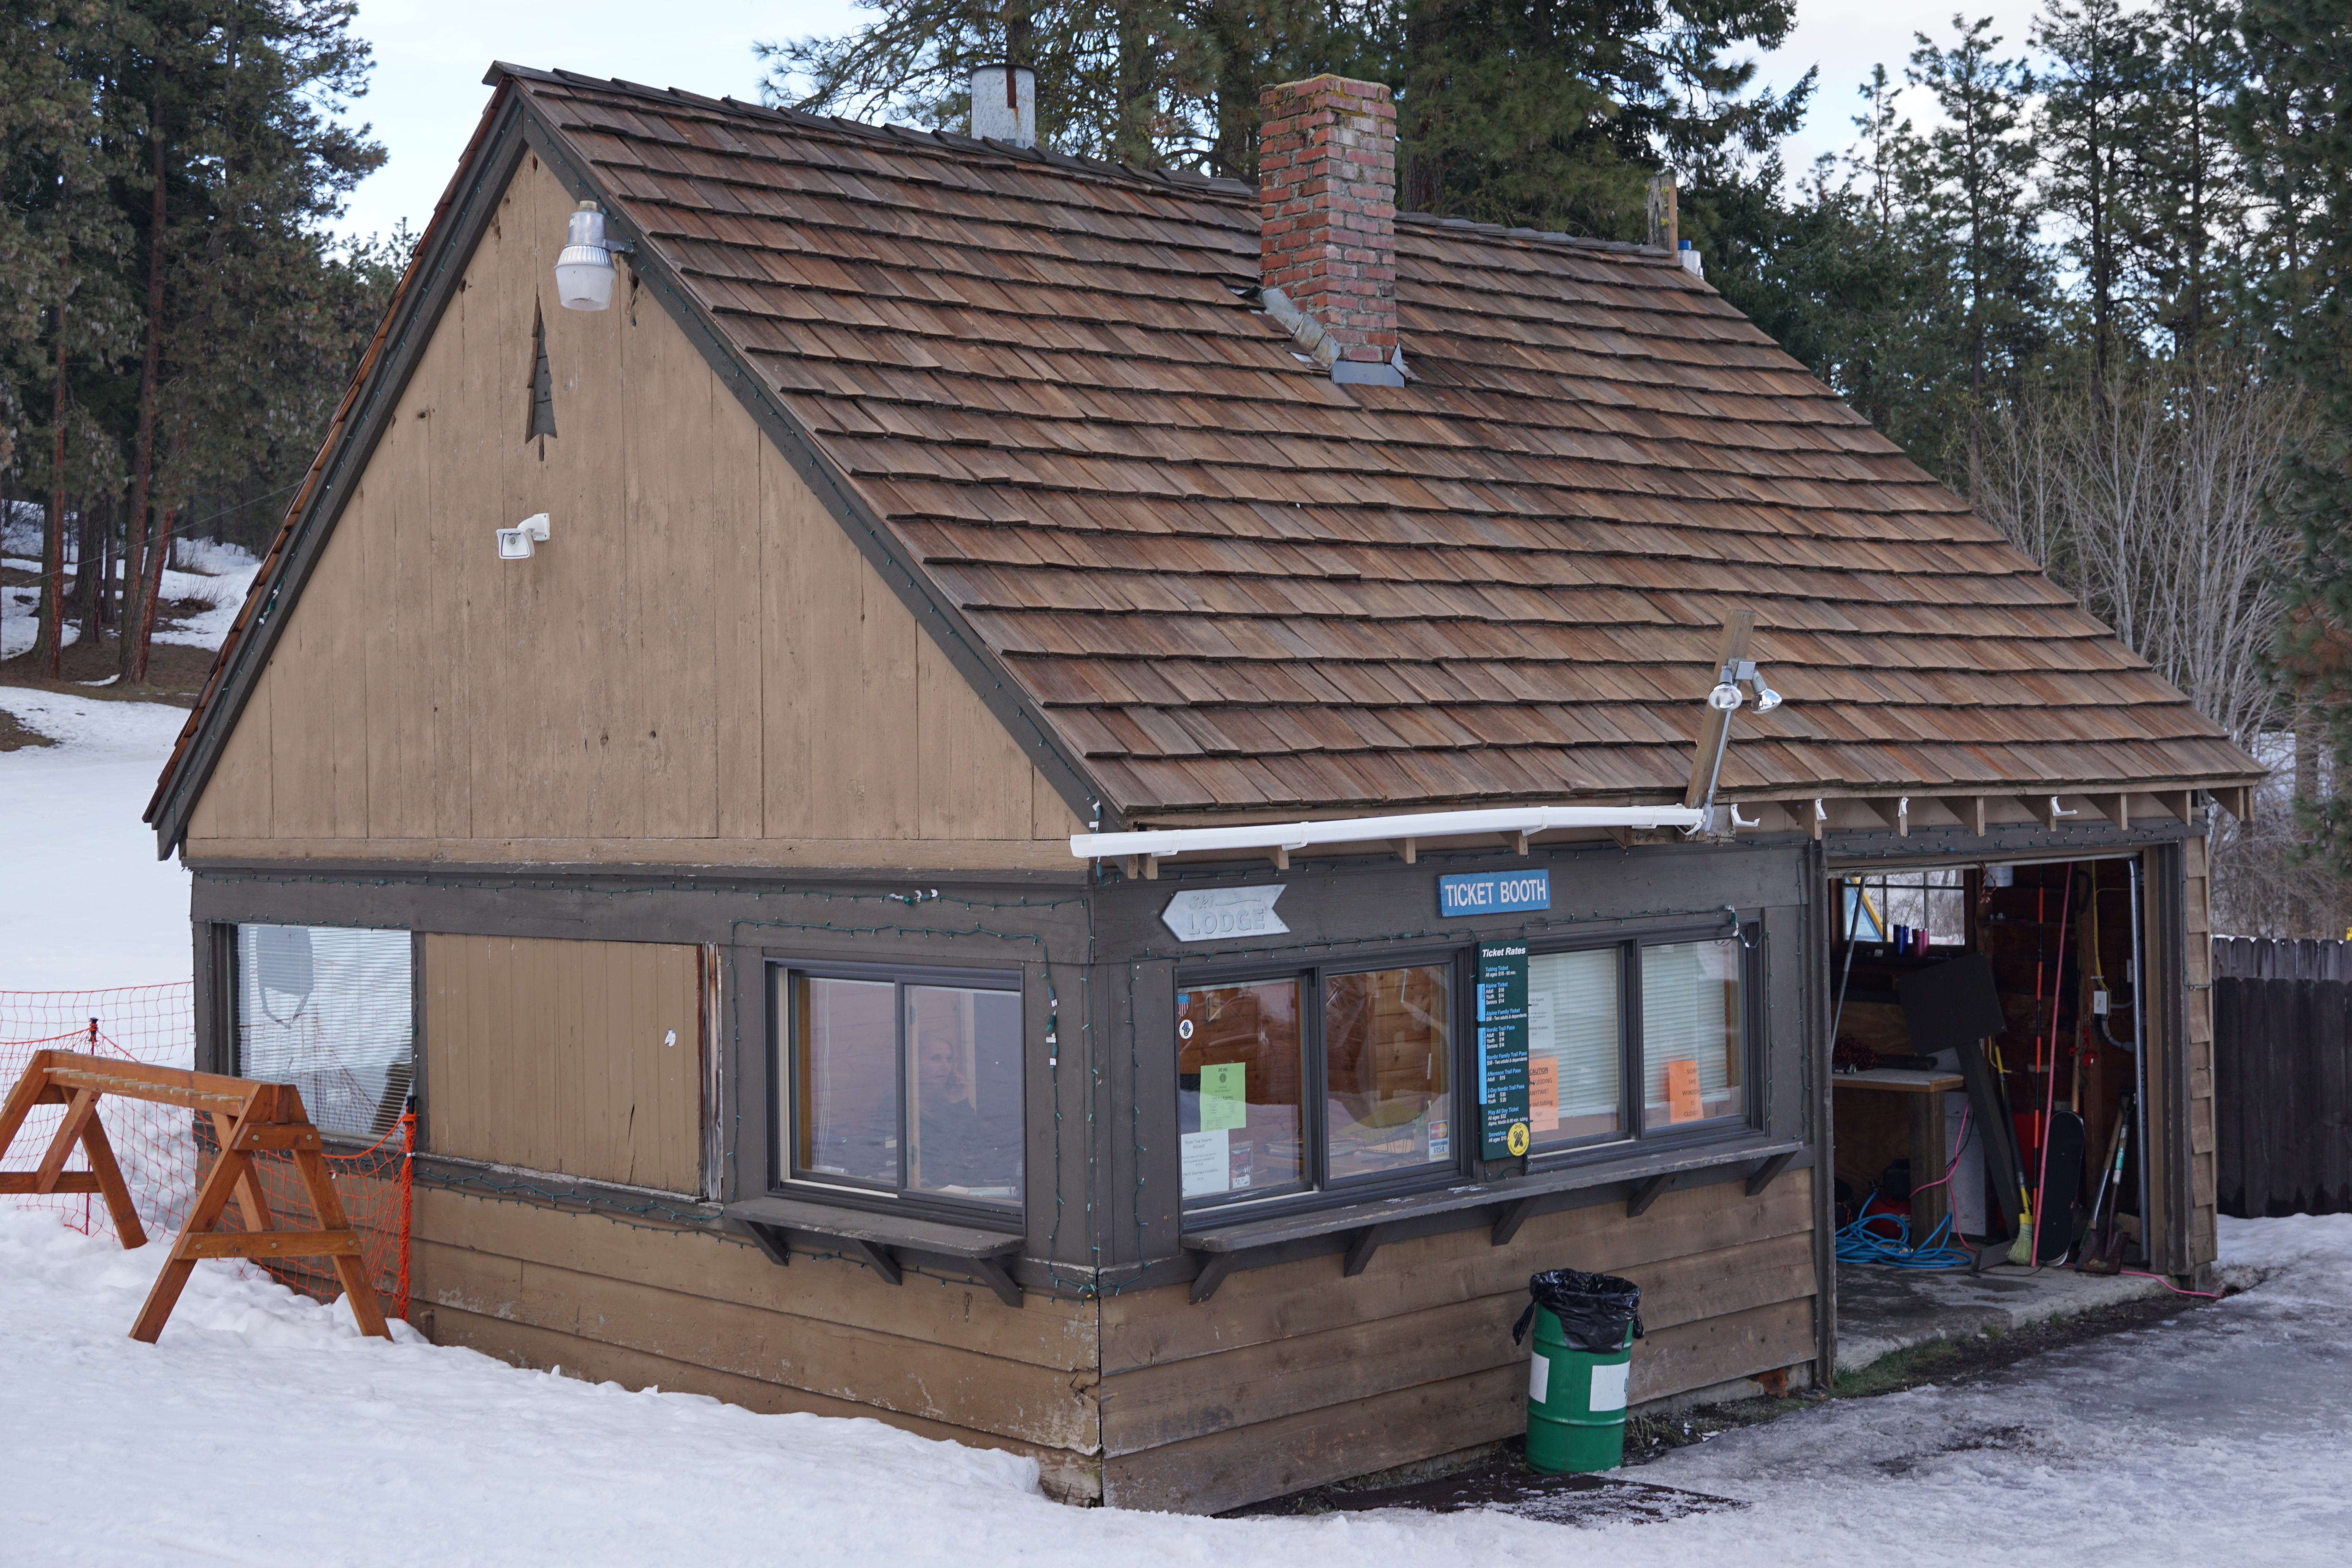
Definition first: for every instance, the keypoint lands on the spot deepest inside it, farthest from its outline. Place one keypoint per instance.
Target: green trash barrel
(1576, 1402)
(1585, 1328)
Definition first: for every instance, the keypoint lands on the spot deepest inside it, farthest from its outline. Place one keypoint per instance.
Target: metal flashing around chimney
(1005, 104)
(1308, 334)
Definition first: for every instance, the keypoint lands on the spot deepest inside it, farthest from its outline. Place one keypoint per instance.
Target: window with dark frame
(903, 1084)
(1325, 1077)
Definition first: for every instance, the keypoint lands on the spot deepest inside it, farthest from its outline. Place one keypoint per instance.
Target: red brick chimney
(1327, 198)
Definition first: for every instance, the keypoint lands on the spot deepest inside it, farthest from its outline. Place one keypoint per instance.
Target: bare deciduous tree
(2147, 504)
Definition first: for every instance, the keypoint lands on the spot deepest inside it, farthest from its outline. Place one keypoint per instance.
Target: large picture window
(1315, 1078)
(902, 1084)
(329, 1009)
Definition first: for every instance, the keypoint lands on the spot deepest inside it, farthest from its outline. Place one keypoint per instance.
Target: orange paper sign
(1543, 1093)
(1682, 1092)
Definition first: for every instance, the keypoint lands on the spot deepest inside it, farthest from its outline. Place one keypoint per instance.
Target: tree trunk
(1136, 101)
(158, 554)
(131, 662)
(88, 555)
(53, 543)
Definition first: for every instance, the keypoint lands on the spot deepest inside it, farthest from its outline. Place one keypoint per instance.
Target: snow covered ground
(87, 903)
(261, 1430)
(219, 576)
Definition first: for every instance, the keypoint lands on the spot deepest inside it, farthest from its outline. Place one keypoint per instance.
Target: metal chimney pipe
(1005, 104)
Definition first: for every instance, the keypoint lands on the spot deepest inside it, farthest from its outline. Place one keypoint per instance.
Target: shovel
(2103, 1247)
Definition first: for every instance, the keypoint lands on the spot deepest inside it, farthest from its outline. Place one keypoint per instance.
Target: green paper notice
(1224, 1096)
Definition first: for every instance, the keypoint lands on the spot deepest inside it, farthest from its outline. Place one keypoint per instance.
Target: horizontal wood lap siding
(694, 1311)
(549, 1056)
(1292, 1375)
(697, 665)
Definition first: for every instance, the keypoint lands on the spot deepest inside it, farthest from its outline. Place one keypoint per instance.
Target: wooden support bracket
(1281, 858)
(1361, 1246)
(1894, 813)
(1970, 809)
(1212, 1274)
(771, 1241)
(1819, 820)
(1768, 1171)
(1408, 849)
(1643, 1195)
(2179, 803)
(2115, 808)
(1000, 1279)
(1517, 1213)
(2237, 800)
(875, 1257)
(2048, 812)
(1516, 842)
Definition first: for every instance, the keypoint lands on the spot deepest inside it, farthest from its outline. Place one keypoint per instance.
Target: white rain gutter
(1288, 836)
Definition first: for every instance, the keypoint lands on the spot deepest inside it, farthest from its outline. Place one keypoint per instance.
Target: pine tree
(2091, 129)
(1970, 182)
(2292, 125)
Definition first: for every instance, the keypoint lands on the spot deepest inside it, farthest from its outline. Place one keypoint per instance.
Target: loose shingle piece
(1232, 585)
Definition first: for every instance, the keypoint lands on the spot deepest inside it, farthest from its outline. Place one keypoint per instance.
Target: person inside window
(952, 1141)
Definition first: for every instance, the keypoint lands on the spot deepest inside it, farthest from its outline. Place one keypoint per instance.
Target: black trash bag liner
(1592, 1308)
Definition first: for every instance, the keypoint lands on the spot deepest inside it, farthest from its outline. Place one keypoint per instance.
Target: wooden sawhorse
(246, 1117)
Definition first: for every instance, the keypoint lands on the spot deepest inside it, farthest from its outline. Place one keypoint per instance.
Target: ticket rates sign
(1502, 1026)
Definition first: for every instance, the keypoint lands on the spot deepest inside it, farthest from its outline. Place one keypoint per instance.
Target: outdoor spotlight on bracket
(515, 543)
(584, 269)
(1727, 696)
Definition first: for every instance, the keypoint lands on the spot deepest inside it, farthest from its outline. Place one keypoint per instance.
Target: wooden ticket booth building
(996, 798)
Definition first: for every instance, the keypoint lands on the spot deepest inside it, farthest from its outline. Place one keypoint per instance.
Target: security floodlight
(1766, 698)
(583, 272)
(1724, 698)
(515, 543)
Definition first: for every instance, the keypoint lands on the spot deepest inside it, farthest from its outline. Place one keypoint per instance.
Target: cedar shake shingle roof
(1230, 584)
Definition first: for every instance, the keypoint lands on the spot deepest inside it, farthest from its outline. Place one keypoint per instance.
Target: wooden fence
(2281, 1075)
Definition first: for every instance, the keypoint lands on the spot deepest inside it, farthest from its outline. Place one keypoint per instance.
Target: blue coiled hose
(1858, 1244)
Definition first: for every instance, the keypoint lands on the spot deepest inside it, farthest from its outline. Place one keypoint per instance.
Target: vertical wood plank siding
(549, 1056)
(2204, 1243)
(697, 663)
(2282, 1076)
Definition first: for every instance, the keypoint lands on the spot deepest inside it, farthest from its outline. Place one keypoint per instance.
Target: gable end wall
(700, 667)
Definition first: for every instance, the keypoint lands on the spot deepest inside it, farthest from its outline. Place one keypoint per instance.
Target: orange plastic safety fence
(164, 1150)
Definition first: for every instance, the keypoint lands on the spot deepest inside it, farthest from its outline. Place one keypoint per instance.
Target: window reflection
(1386, 1042)
(1239, 1073)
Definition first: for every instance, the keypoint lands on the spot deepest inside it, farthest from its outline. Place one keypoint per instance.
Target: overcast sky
(428, 91)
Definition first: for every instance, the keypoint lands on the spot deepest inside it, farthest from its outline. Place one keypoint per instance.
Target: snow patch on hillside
(87, 903)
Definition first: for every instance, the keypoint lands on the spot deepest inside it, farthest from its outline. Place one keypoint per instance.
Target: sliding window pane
(1691, 1032)
(1386, 1039)
(965, 1082)
(846, 1073)
(1576, 1046)
(1239, 1073)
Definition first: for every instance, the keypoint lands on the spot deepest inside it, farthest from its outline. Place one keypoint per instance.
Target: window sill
(876, 1239)
(1645, 1175)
